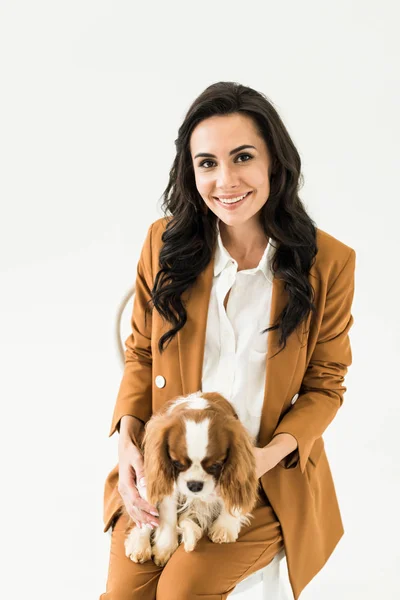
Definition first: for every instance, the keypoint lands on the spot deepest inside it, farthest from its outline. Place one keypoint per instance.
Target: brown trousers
(210, 572)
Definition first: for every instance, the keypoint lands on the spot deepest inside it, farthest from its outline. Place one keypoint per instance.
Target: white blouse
(235, 350)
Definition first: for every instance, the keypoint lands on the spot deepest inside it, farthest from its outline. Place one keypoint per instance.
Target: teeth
(233, 200)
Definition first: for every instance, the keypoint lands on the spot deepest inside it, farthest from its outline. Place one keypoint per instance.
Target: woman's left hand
(266, 459)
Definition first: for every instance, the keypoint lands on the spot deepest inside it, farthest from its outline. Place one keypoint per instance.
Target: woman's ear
(238, 482)
(158, 468)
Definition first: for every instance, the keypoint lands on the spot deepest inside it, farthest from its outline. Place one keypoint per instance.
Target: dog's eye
(178, 465)
(215, 467)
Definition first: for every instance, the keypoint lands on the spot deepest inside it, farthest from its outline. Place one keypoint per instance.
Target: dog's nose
(195, 486)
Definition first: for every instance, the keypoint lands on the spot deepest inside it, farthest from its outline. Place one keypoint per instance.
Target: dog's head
(198, 445)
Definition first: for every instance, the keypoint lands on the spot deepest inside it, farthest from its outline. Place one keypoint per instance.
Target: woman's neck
(246, 243)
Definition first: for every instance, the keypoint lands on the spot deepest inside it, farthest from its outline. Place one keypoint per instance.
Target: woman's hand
(266, 459)
(131, 475)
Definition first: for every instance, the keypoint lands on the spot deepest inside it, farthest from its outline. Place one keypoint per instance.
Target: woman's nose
(227, 179)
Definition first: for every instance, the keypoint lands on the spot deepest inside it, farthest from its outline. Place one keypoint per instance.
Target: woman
(218, 269)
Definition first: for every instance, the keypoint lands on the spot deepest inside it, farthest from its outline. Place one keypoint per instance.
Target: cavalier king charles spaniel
(200, 473)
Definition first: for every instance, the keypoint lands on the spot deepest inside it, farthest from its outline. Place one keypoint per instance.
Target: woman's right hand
(131, 475)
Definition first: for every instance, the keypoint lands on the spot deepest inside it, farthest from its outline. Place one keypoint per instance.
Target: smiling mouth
(229, 202)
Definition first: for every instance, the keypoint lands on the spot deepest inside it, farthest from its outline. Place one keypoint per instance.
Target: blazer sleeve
(321, 392)
(135, 391)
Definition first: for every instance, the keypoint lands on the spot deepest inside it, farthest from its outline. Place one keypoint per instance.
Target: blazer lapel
(279, 369)
(192, 336)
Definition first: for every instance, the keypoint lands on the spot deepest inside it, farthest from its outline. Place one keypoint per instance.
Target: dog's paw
(191, 533)
(220, 534)
(138, 545)
(165, 544)
(162, 555)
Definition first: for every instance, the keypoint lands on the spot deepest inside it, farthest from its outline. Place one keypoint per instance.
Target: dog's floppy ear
(238, 481)
(220, 402)
(158, 468)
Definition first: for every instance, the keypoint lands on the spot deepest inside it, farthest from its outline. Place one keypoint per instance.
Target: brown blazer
(313, 365)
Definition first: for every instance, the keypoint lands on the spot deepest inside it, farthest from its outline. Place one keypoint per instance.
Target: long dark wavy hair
(191, 230)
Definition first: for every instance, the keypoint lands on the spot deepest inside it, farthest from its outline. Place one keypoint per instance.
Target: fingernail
(154, 513)
(149, 526)
(155, 524)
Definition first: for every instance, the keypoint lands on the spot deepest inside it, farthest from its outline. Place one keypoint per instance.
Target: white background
(92, 95)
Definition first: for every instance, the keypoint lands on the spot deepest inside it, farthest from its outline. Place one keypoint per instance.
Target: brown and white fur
(200, 473)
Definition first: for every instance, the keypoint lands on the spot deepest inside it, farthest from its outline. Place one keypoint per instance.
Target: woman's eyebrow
(206, 154)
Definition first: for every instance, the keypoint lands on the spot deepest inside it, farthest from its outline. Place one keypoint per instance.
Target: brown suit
(313, 364)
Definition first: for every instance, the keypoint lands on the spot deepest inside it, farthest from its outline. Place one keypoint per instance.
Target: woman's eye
(249, 155)
(202, 164)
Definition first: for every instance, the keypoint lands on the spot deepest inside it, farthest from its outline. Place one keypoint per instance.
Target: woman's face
(231, 172)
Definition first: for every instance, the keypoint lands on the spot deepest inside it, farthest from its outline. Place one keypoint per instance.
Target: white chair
(273, 579)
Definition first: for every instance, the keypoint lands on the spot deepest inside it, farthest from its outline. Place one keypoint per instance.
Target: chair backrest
(119, 317)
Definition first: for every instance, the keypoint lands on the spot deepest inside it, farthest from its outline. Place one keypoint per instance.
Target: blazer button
(293, 400)
(160, 381)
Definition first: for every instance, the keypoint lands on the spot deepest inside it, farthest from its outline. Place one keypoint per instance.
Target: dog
(200, 473)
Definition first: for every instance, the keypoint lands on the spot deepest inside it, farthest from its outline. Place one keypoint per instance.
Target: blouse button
(160, 381)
